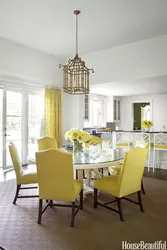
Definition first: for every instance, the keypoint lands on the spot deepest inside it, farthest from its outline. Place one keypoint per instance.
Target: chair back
(141, 137)
(141, 144)
(55, 175)
(15, 160)
(160, 141)
(132, 171)
(123, 140)
(95, 140)
(46, 143)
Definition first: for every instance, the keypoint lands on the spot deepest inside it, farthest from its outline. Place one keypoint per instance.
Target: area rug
(94, 229)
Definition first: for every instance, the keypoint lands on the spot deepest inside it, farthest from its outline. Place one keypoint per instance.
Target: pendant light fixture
(75, 73)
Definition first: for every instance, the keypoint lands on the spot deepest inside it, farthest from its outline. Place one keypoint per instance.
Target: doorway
(141, 112)
(21, 121)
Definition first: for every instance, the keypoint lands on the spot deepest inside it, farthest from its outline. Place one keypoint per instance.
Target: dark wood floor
(158, 173)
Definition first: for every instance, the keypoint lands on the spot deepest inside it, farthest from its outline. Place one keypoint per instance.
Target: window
(21, 121)
(97, 111)
(35, 122)
(86, 108)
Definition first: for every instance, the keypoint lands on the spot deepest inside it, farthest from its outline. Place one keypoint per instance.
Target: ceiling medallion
(75, 73)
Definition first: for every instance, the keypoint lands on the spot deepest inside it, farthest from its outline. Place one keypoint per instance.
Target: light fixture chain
(77, 34)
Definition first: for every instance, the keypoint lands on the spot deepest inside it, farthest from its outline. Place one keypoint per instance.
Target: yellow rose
(86, 144)
(67, 135)
(74, 135)
(85, 136)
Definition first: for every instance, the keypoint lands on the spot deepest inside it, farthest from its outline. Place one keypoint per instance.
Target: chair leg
(81, 199)
(51, 203)
(142, 187)
(17, 193)
(154, 159)
(76, 174)
(40, 211)
(140, 201)
(73, 214)
(120, 209)
(95, 197)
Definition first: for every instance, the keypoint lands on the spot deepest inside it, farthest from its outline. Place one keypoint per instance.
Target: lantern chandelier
(75, 73)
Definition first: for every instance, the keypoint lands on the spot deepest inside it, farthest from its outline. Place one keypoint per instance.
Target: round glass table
(91, 162)
(96, 159)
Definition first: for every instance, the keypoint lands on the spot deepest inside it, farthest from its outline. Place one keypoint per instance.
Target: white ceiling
(49, 25)
(149, 86)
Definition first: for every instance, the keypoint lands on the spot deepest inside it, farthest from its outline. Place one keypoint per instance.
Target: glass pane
(1, 108)
(13, 123)
(13, 103)
(13, 126)
(35, 122)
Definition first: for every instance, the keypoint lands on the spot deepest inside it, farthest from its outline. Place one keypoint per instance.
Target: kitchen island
(157, 144)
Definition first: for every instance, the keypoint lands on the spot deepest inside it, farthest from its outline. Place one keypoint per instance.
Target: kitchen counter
(141, 131)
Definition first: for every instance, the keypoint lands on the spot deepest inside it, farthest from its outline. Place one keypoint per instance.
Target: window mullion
(24, 127)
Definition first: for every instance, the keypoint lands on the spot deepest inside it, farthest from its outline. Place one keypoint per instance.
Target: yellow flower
(77, 135)
(147, 124)
(86, 144)
(74, 135)
(67, 136)
(108, 129)
(85, 136)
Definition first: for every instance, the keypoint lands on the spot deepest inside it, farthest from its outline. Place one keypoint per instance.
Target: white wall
(158, 104)
(142, 59)
(72, 112)
(19, 61)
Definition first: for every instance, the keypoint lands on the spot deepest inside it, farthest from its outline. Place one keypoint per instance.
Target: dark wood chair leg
(142, 187)
(140, 201)
(51, 203)
(76, 174)
(40, 211)
(17, 193)
(95, 197)
(120, 209)
(81, 199)
(73, 214)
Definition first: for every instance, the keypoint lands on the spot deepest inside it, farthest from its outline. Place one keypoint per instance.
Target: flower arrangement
(147, 124)
(78, 137)
(107, 129)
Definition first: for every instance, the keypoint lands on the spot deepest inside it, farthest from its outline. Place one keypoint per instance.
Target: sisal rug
(94, 229)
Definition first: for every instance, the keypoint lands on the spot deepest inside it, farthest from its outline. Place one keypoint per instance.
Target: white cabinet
(113, 109)
(116, 110)
(86, 108)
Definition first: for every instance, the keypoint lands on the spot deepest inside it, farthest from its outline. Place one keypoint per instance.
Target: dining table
(93, 162)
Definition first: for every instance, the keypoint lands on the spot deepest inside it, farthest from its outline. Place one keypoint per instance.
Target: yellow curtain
(53, 115)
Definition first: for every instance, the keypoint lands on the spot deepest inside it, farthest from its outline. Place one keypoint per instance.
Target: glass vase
(147, 129)
(77, 147)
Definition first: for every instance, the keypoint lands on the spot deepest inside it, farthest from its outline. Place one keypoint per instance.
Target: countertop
(140, 131)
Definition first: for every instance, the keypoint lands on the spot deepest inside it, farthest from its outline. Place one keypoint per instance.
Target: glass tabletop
(96, 157)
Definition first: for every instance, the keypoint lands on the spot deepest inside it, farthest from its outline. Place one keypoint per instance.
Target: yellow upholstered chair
(128, 182)
(95, 140)
(115, 170)
(160, 146)
(46, 143)
(56, 180)
(21, 176)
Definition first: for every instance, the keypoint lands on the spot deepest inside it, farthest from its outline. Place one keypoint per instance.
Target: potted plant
(147, 124)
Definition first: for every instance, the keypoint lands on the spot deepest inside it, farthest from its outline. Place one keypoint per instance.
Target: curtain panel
(53, 114)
